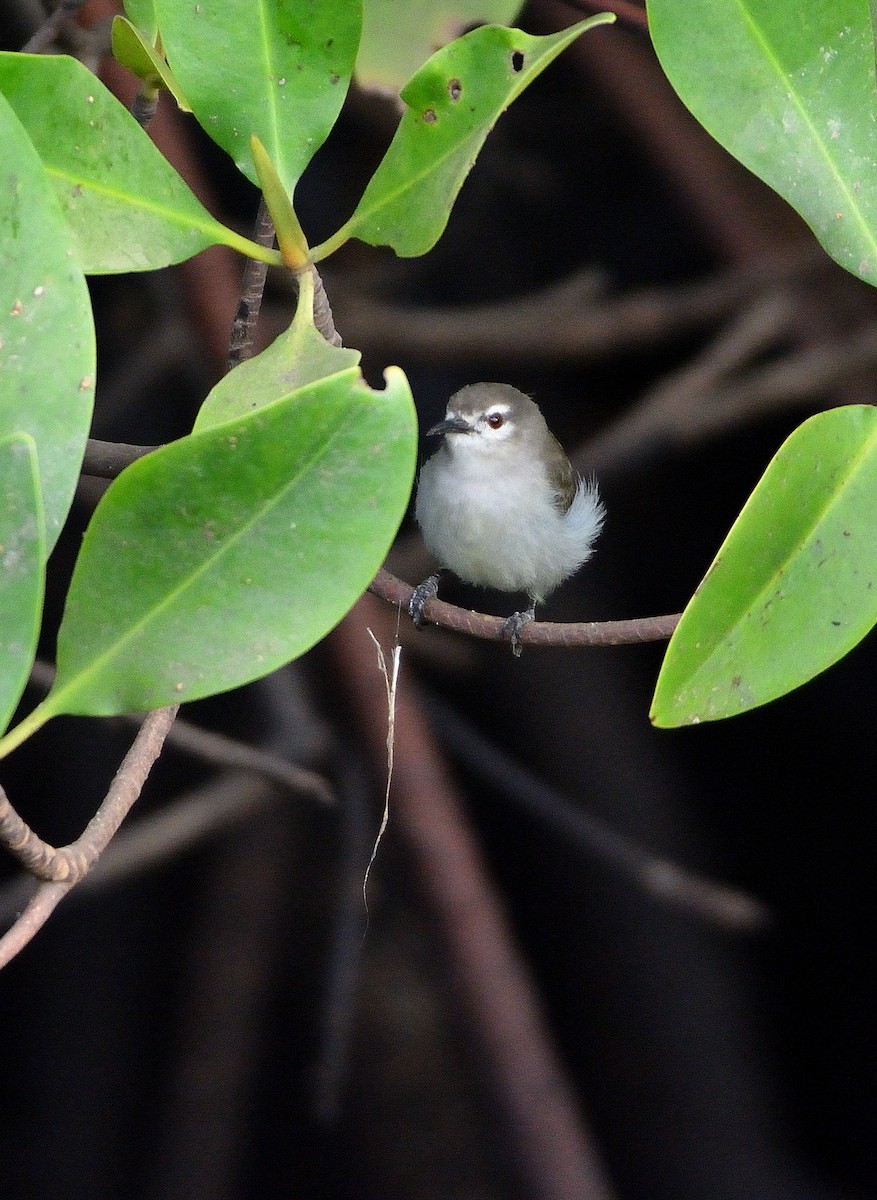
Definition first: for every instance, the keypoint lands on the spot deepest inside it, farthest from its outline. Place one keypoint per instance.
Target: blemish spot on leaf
(517, 61)
(16, 309)
(334, 77)
(455, 89)
(430, 117)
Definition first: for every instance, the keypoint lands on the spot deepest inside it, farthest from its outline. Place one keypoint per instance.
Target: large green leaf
(219, 557)
(397, 38)
(789, 89)
(22, 566)
(451, 105)
(127, 207)
(275, 68)
(794, 586)
(47, 351)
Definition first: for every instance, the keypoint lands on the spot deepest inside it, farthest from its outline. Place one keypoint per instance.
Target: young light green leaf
(397, 39)
(222, 556)
(279, 69)
(47, 350)
(793, 588)
(127, 207)
(290, 236)
(298, 357)
(133, 50)
(22, 566)
(789, 90)
(451, 105)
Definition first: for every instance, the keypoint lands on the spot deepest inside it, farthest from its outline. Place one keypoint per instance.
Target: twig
(64, 867)
(537, 633)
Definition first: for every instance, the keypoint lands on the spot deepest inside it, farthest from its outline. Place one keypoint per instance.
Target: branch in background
(627, 12)
(537, 633)
(63, 868)
(218, 750)
(43, 40)
(574, 320)
(719, 906)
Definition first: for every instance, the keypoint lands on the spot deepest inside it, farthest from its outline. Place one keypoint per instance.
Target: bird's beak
(450, 425)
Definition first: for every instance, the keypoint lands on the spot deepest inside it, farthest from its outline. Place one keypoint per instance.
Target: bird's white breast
(489, 514)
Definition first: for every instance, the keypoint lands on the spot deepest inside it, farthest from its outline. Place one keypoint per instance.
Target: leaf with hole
(22, 566)
(789, 89)
(47, 349)
(452, 104)
(279, 69)
(793, 588)
(218, 558)
(127, 207)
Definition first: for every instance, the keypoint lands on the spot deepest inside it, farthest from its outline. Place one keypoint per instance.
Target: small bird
(499, 503)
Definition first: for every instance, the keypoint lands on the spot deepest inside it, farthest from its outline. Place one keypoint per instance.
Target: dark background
(210, 1018)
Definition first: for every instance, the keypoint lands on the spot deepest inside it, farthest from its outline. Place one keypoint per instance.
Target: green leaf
(47, 350)
(793, 588)
(789, 90)
(127, 207)
(297, 358)
(142, 14)
(452, 104)
(220, 557)
(397, 39)
(133, 50)
(22, 562)
(275, 68)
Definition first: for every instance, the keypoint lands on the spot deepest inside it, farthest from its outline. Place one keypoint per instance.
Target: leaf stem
(23, 730)
(331, 244)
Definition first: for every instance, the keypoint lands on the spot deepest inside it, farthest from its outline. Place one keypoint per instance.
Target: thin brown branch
(323, 319)
(538, 633)
(39, 908)
(240, 344)
(64, 867)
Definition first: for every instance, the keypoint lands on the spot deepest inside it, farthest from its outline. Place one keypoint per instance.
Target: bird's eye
(495, 420)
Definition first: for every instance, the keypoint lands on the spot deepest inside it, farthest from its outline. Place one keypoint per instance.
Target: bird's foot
(428, 590)
(514, 625)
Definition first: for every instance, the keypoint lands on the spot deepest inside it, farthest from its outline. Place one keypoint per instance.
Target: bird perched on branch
(499, 503)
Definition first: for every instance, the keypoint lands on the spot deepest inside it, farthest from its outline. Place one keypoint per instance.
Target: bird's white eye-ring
(495, 420)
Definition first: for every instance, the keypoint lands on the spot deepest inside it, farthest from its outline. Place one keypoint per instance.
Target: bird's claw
(513, 626)
(428, 590)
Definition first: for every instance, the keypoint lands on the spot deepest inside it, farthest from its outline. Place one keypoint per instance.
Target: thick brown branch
(538, 633)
